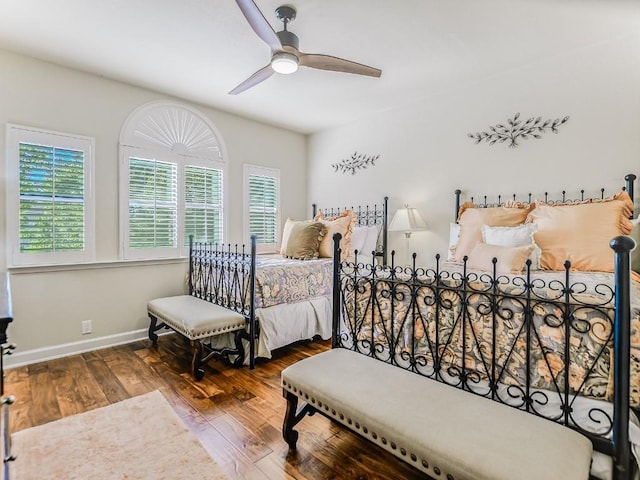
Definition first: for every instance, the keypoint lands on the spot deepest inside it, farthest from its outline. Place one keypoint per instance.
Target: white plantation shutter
(153, 203)
(203, 204)
(262, 193)
(49, 197)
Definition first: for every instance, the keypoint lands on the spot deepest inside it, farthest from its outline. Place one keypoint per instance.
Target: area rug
(140, 438)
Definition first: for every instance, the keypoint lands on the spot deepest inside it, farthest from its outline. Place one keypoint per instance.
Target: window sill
(18, 270)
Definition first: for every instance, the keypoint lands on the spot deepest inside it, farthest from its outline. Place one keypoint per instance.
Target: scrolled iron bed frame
(378, 284)
(366, 216)
(225, 274)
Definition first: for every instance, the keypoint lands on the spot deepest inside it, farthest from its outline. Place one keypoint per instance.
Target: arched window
(172, 175)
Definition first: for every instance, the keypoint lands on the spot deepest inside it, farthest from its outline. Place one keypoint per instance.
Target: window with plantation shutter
(262, 199)
(50, 198)
(171, 181)
(203, 204)
(153, 203)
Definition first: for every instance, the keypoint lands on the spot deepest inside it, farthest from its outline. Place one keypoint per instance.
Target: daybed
(283, 300)
(559, 345)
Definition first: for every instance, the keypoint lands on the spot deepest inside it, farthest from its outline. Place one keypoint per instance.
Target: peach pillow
(343, 224)
(581, 232)
(509, 259)
(472, 217)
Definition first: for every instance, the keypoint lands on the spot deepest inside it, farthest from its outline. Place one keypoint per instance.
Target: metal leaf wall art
(515, 128)
(357, 161)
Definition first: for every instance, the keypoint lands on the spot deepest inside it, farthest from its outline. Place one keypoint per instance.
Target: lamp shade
(407, 220)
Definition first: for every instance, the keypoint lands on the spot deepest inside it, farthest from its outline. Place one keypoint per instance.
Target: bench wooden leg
(196, 361)
(153, 328)
(288, 433)
(239, 347)
(292, 417)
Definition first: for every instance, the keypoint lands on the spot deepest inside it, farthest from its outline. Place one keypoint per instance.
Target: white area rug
(140, 438)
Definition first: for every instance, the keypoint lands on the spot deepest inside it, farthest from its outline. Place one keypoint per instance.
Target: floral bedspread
(283, 280)
(481, 330)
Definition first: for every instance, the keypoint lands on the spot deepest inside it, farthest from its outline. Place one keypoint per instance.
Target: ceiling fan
(285, 56)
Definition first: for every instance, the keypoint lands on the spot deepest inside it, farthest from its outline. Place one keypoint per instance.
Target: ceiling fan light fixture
(284, 62)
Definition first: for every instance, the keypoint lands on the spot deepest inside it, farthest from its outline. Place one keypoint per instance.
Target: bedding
(283, 280)
(464, 342)
(284, 324)
(292, 297)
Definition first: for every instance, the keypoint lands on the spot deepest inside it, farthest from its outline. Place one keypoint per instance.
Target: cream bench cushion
(195, 318)
(442, 431)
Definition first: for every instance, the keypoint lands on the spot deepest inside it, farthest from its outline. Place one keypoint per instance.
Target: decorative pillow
(304, 240)
(286, 232)
(472, 217)
(342, 224)
(371, 243)
(581, 232)
(358, 238)
(519, 236)
(509, 259)
(454, 234)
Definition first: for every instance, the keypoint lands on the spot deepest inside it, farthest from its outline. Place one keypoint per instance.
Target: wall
(425, 153)
(50, 304)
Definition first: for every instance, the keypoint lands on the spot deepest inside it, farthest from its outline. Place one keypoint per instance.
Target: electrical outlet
(86, 326)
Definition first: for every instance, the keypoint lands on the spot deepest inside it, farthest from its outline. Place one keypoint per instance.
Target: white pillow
(358, 238)
(454, 234)
(286, 233)
(371, 243)
(519, 236)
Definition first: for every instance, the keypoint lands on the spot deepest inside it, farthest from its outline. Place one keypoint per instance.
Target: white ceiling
(201, 49)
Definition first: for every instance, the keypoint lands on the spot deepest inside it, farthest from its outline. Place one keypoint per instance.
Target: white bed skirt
(284, 324)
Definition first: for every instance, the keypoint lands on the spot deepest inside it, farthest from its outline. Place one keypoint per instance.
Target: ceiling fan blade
(259, 24)
(327, 62)
(260, 76)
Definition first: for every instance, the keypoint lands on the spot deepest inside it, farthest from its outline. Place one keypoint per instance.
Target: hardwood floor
(236, 413)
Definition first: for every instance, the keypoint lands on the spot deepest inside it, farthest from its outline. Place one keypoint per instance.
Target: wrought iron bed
(230, 275)
(528, 341)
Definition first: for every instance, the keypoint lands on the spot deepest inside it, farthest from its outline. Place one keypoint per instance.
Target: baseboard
(19, 359)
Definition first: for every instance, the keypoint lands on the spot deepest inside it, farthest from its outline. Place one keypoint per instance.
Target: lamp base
(408, 237)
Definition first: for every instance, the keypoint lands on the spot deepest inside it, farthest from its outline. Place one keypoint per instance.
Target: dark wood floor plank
(274, 467)
(109, 383)
(233, 461)
(131, 371)
(76, 388)
(197, 396)
(241, 437)
(17, 384)
(45, 407)
(236, 413)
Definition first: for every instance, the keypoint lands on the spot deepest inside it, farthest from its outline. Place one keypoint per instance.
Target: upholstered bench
(196, 319)
(444, 432)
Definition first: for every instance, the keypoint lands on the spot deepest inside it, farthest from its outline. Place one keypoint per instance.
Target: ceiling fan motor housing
(288, 39)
